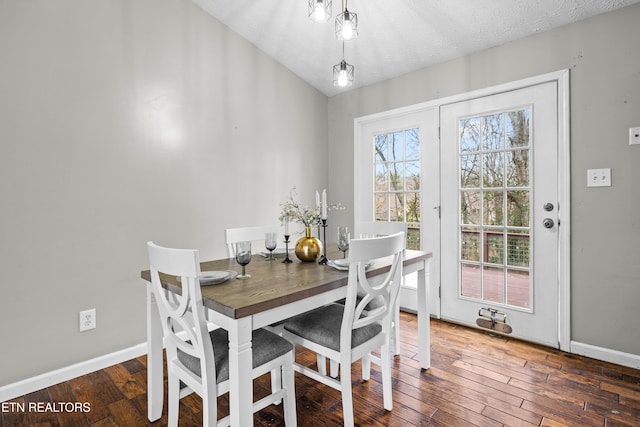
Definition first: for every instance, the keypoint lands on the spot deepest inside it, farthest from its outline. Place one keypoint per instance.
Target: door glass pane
(493, 169)
(492, 207)
(397, 180)
(413, 207)
(396, 176)
(518, 208)
(396, 207)
(493, 285)
(382, 207)
(495, 207)
(381, 148)
(471, 282)
(470, 135)
(494, 247)
(518, 168)
(470, 171)
(518, 128)
(518, 288)
(470, 207)
(493, 132)
(412, 175)
(518, 248)
(470, 244)
(412, 144)
(382, 175)
(397, 146)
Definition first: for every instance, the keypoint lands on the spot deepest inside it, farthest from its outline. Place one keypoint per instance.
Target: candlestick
(324, 204)
(323, 258)
(286, 260)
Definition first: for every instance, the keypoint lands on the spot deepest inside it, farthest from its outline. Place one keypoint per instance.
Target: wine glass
(343, 240)
(270, 242)
(243, 257)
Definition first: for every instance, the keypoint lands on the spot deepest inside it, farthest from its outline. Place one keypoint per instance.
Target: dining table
(275, 292)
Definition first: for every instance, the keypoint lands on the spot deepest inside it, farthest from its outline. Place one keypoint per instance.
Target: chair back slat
(364, 229)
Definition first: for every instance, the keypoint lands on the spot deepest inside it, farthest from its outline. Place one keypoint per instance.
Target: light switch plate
(634, 136)
(599, 177)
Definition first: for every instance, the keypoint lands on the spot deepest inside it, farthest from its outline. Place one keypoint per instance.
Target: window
(495, 198)
(397, 180)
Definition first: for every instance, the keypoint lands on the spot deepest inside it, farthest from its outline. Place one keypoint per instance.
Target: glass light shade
(319, 10)
(343, 74)
(347, 25)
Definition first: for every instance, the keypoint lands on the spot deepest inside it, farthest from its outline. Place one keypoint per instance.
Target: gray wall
(125, 121)
(602, 54)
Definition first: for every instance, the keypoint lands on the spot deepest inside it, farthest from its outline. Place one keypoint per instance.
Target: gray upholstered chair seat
(322, 326)
(266, 346)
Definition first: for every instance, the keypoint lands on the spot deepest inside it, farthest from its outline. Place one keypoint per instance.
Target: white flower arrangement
(292, 211)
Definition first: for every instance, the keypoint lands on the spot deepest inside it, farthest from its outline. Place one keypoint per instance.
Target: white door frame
(564, 190)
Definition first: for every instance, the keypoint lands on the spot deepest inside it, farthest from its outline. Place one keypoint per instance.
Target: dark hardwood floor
(476, 379)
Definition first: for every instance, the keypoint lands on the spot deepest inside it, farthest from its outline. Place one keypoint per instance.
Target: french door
(499, 206)
(493, 201)
(396, 179)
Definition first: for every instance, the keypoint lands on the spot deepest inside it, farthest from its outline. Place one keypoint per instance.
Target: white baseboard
(408, 299)
(20, 388)
(605, 354)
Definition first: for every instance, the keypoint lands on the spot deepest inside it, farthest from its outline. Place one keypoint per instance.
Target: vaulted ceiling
(396, 36)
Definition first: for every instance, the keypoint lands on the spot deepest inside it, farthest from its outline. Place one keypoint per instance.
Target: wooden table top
(273, 283)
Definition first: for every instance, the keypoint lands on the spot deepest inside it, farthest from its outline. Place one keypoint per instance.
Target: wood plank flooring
(476, 379)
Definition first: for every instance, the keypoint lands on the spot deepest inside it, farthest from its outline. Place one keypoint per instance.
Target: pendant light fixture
(343, 72)
(319, 10)
(346, 24)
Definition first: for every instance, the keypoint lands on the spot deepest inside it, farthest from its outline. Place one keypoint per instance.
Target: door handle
(548, 223)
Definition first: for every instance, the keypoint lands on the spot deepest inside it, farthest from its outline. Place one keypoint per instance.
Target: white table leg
(155, 374)
(424, 327)
(240, 373)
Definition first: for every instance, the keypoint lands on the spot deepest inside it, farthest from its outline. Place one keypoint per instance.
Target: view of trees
(397, 180)
(494, 182)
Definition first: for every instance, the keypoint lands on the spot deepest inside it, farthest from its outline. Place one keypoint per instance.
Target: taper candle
(324, 204)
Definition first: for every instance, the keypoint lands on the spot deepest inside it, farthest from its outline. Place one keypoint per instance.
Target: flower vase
(308, 248)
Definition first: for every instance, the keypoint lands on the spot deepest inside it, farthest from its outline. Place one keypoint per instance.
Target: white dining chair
(368, 229)
(246, 234)
(198, 360)
(343, 332)
(365, 229)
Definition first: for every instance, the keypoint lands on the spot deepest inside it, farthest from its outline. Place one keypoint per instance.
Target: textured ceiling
(396, 36)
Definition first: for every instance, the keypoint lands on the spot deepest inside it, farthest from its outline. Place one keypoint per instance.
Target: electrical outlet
(599, 177)
(87, 319)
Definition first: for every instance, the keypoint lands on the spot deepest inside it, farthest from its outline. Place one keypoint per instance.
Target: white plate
(208, 278)
(342, 264)
(215, 277)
